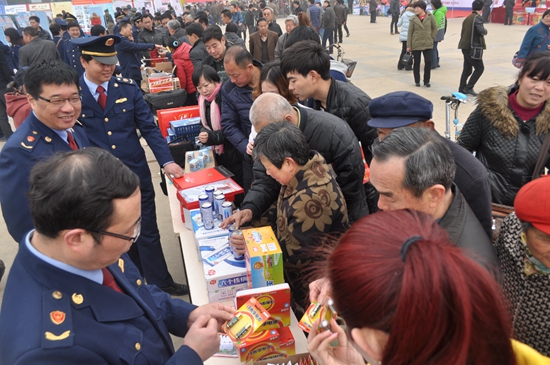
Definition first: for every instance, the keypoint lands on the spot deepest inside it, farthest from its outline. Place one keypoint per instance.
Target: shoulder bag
(476, 53)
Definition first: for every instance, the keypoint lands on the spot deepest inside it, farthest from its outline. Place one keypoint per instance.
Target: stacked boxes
(188, 128)
(275, 299)
(264, 258)
(161, 81)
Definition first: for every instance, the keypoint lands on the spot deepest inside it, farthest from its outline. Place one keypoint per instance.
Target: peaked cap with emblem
(102, 49)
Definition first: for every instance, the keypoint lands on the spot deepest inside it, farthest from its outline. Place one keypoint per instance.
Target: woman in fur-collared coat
(508, 127)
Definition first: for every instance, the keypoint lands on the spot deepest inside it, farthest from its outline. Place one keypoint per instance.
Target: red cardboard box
(281, 345)
(165, 116)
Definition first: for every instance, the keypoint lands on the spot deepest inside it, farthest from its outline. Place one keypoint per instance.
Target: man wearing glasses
(73, 295)
(52, 91)
(112, 110)
(271, 21)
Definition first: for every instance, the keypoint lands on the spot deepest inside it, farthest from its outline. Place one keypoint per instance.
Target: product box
(209, 245)
(278, 346)
(300, 359)
(161, 81)
(186, 126)
(275, 299)
(205, 155)
(165, 116)
(198, 228)
(246, 321)
(314, 312)
(264, 258)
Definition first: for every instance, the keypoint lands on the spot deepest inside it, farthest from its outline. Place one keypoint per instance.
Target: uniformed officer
(74, 297)
(112, 110)
(52, 91)
(137, 27)
(71, 52)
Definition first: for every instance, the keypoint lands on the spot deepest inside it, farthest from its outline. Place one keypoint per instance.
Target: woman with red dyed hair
(410, 297)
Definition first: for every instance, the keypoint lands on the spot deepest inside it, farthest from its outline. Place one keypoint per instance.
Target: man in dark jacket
(151, 35)
(324, 133)
(175, 30)
(129, 53)
(36, 49)
(214, 42)
(198, 51)
(34, 22)
(314, 13)
(473, 23)
(244, 75)
(413, 168)
(328, 25)
(307, 66)
(405, 109)
(272, 21)
(340, 13)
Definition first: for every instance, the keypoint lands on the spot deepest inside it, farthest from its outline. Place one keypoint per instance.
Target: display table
(195, 277)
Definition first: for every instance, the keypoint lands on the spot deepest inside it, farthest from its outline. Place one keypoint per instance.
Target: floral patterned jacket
(309, 208)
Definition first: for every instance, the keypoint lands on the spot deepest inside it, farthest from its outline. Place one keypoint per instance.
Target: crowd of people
(78, 194)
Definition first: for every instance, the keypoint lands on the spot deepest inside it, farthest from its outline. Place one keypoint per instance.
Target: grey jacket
(340, 14)
(36, 51)
(329, 18)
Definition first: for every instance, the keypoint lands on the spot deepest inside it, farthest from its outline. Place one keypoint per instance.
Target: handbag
(407, 59)
(476, 52)
(166, 99)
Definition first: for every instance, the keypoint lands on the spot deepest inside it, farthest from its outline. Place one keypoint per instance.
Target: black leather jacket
(466, 232)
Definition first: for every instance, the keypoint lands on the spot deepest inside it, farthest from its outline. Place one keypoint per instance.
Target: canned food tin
(209, 190)
(207, 216)
(219, 200)
(227, 210)
(233, 231)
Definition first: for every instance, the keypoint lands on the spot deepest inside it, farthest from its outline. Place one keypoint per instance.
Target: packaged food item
(263, 257)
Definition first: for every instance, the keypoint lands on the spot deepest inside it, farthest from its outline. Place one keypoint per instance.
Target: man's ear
(430, 124)
(434, 194)
(314, 76)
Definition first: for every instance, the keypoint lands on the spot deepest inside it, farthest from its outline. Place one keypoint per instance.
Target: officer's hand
(217, 311)
(319, 290)
(174, 169)
(203, 337)
(250, 147)
(159, 47)
(203, 137)
(240, 217)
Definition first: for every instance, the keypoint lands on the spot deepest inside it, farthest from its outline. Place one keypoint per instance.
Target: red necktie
(71, 141)
(109, 280)
(102, 99)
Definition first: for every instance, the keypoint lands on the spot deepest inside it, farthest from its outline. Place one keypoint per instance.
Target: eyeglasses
(137, 231)
(60, 102)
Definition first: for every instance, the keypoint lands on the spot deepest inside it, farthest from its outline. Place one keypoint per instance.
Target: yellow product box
(275, 299)
(268, 345)
(245, 322)
(314, 312)
(264, 258)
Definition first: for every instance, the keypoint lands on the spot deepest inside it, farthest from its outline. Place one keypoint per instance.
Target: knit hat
(532, 203)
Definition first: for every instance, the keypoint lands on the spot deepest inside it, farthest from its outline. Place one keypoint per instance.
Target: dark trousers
(146, 252)
(5, 127)
(427, 53)
(346, 28)
(435, 56)
(338, 33)
(486, 13)
(373, 16)
(508, 16)
(470, 63)
(394, 20)
(328, 35)
(400, 64)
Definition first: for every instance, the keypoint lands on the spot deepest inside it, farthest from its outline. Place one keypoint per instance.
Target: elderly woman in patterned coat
(523, 249)
(310, 205)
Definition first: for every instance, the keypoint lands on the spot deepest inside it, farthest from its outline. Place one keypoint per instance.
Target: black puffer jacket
(351, 104)
(335, 141)
(505, 145)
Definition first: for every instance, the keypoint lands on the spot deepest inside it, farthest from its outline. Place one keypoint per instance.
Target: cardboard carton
(275, 299)
(264, 258)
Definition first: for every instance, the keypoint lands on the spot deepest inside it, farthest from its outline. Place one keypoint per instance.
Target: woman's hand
(320, 348)
(203, 137)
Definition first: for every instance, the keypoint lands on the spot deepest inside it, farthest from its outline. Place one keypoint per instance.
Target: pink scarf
(214, 115)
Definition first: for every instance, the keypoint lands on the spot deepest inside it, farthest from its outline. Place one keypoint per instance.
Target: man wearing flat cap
(523, 249)
(112, 110)
(406, 109)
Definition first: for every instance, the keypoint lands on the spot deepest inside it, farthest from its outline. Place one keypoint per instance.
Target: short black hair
(97, 29)
(420, 4)
(207, 72)
(213, 31)
(72, 25)
(76, 190)
(55, 29)
(148, 16)
(277, 141)
(231, 28)
(262, 19)
(477, 5)
(202, 17)
(49, 72)
(124, 24)
(194, 28)
(305, 56)
(227, 13)
(239, 55)
(30, 31)
(35, 18)
(166, 15)
(537, 65)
